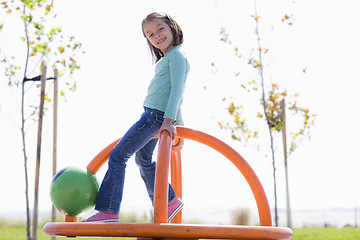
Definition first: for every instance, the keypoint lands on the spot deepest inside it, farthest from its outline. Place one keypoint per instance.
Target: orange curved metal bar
(165, 230)
(161, 178)
(221, 147)
(240, 163)
(176, 180)
(176, 177)
(100, 159)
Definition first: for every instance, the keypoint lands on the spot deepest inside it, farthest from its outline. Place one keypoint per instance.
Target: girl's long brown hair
(156, 53)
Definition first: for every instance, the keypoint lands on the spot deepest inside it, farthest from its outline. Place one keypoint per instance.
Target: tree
(270, 95)
(44, 45)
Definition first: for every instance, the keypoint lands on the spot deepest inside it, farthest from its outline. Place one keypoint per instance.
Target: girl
(161, 112)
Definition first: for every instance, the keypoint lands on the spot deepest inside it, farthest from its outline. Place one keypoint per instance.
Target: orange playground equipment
(176, 230)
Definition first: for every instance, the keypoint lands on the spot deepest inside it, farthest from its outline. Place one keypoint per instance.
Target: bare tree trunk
(28, 221)
(264, 108)
(274, 178)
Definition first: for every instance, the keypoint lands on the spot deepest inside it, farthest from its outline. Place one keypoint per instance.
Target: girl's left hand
(179, 145)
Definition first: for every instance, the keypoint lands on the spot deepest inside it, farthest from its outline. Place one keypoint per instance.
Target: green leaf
(48, 9)
(36, 25)
(24, 17)
(61, 49)
(47, 99)
(30, 4)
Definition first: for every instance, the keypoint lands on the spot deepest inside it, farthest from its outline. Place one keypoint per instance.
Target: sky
(115, 72)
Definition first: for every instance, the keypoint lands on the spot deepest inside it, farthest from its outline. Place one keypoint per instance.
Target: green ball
(73, 191)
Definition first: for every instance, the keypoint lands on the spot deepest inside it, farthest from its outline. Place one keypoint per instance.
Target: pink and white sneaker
(103, 217)
(174, 207)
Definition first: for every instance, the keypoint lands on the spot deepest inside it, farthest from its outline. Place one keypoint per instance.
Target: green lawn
(14, 233)
(349, 233)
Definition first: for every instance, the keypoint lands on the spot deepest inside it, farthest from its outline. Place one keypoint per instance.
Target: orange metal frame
(161, 229)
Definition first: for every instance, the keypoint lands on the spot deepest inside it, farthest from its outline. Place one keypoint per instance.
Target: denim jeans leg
(111, 189)
(147, 169)
(138, 136)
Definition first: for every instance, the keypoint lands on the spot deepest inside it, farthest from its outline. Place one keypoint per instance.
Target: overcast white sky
(116, 70)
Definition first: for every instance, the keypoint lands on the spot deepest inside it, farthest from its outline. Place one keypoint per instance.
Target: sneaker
(103, 217)
(174, 207)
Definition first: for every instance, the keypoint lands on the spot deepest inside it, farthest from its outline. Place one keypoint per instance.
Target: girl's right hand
(168, 126)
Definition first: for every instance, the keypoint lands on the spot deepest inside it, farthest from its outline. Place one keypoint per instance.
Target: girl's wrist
(169, 121)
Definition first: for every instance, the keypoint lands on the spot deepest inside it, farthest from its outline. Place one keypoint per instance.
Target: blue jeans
(139, 139)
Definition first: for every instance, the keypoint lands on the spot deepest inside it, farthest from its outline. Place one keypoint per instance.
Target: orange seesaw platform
(176, 230)
(166, 230)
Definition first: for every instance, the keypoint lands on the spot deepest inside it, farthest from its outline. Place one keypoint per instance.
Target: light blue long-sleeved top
(165, 92)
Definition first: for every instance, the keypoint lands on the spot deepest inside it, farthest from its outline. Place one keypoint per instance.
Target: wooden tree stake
(38, 153)
(288, 208)
(56, 76)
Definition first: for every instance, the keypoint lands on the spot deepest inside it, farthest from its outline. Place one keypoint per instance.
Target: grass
(16, 233)
(16, 229)
(348, 233)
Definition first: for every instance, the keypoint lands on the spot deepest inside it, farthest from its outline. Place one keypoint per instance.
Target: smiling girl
(161, 112)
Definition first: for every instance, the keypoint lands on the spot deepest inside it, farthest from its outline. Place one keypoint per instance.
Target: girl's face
(159, 34)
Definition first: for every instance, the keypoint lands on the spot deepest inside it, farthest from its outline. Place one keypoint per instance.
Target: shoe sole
(175, 212)
(104, 221)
